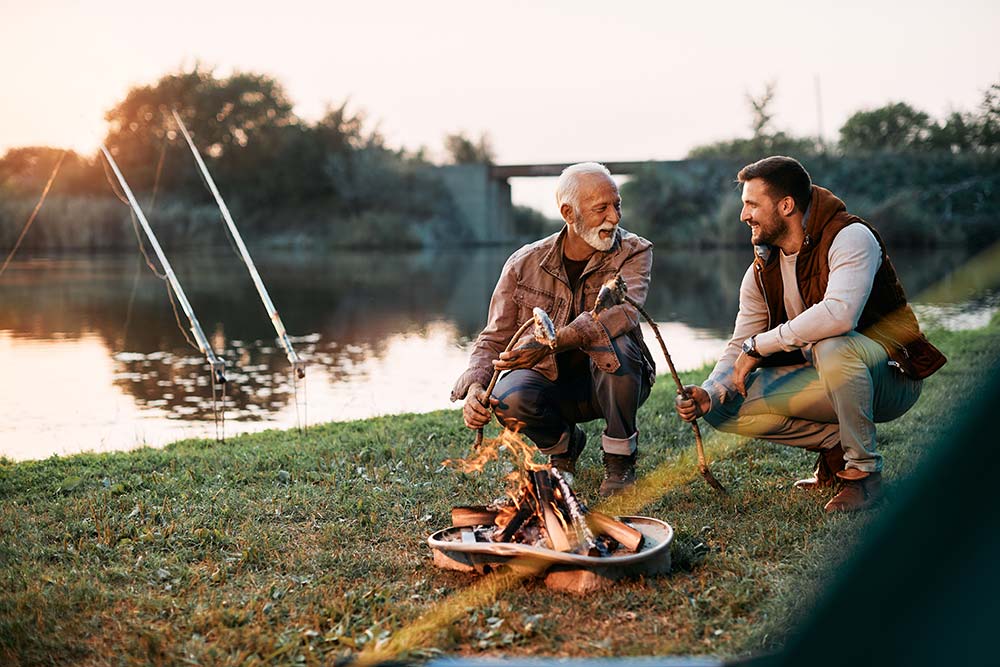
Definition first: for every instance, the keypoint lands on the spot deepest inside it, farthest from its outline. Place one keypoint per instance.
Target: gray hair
(568, 187)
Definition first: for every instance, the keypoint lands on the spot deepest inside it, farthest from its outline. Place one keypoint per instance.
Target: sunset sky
(549, 81)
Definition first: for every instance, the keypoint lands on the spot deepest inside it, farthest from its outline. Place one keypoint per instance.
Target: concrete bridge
(481, 192)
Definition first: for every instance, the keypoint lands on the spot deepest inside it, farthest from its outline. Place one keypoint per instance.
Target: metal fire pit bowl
(565, 571)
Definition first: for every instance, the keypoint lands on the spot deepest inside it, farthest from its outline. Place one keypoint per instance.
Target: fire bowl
(564, 571)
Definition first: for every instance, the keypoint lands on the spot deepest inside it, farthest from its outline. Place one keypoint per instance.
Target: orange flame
(510, 443)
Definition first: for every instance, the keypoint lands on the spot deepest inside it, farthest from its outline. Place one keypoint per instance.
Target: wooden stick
(699, 447)
(624, 534)
(496, 375)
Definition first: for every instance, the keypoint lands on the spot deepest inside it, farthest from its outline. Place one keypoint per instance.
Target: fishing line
(159, 170)
(216, 412)
(135, 228)
(226, 231)
(34, 213)
(177, 318)
(131, 301)
(149, 262)
(301, 418)
(135, 223)
(305, 403)
(236, 243)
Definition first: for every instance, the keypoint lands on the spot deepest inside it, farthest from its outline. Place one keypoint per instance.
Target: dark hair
(785, 177)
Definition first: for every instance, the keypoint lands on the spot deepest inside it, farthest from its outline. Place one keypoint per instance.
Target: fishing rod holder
(218, 372)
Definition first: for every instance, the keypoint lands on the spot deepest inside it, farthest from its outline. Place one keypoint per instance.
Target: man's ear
(566, 211)
(786, 206)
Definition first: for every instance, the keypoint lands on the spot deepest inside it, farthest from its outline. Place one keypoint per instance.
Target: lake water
(93, 359)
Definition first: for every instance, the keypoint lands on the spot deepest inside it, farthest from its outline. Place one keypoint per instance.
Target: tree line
(923, 181)
(333, 181)
(336, 182)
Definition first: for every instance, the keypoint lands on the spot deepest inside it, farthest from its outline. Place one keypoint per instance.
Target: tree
(463, 150)
(25, 170)
(988, 129)
(957, 134)
(225, 116)
(765, 139)
(760, 112)
(894, 127)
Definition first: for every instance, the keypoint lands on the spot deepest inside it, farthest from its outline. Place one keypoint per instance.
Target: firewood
(524, 512)
(627, 536)
(472, 515)
(575, 511)
(558, 540)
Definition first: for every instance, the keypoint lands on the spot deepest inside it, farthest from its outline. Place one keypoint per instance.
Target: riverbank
(279, 544)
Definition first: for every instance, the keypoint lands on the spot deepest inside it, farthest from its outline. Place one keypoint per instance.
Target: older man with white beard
(600, 368)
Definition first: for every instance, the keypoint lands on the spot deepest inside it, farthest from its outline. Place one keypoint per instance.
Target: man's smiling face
(599, 212)
(760, 212)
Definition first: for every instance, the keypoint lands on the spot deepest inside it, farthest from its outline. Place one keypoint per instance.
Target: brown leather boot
(858, 491)
(566, 462)
(619, 474)
(828, 464)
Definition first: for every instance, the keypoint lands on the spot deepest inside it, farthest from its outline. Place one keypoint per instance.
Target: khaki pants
(848, 387)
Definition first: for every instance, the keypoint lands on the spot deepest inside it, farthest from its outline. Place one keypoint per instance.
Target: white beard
(593, 237)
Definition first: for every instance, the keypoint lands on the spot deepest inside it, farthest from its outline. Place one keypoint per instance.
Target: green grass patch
(281, 548)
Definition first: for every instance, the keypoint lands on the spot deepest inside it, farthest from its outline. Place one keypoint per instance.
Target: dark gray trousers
(547, 411)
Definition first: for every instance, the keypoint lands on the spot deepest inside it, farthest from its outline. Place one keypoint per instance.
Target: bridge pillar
(482, 201)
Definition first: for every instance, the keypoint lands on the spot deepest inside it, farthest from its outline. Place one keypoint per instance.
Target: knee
(721, 420)
(831, 353)
(516, 402)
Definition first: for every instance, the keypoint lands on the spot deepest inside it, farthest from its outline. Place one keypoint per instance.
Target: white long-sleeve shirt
(854, 258)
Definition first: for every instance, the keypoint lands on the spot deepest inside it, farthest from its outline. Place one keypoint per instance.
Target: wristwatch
(750, 348)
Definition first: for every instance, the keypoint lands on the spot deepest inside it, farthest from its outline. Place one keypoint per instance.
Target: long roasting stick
(279, 326)
(615, 292)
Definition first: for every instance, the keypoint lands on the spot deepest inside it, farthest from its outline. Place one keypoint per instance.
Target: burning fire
(542, 508)
(511, 444)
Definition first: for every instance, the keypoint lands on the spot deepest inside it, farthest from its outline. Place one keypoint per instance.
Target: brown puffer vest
(886, 318)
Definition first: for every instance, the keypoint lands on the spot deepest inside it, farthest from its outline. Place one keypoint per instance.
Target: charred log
(523, 513)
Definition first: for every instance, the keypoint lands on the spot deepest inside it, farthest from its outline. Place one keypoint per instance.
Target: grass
(281, 548)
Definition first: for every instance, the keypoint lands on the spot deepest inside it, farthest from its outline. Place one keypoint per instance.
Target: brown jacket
(535, 276)
(886, 318)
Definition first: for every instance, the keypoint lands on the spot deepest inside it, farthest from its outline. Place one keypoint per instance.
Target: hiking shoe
(619, 474)
(859, 490)
(828, 464)
(566, 462)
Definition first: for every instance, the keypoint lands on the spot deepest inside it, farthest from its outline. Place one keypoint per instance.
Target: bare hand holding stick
(695, 399)
(478, 403)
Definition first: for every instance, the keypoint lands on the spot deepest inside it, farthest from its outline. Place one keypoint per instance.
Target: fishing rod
(203, 345)
(279, 327)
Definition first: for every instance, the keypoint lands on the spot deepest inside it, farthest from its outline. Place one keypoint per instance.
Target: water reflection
(94, 358)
